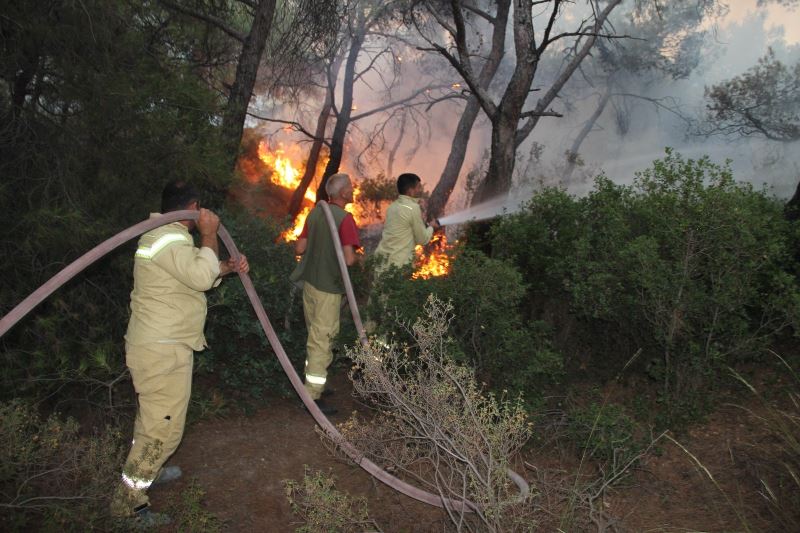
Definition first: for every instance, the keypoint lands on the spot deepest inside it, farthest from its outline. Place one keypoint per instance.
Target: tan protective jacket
(170, 276)
(403, 230)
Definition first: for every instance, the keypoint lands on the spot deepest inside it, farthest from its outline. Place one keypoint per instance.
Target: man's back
(403, 230)
(168, 304)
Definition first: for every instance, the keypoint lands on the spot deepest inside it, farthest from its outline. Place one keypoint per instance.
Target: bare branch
(296, 126)
(483, 14)
(214, 21)
(534, 113)
(394, 104)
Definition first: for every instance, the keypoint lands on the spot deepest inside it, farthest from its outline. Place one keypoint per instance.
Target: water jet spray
(494, 207)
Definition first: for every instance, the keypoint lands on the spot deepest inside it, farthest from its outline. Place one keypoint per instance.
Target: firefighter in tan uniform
(168, 312)
(404, 227)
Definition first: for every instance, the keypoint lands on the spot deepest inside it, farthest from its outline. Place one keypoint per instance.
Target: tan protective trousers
(162, 377)
(321, 310)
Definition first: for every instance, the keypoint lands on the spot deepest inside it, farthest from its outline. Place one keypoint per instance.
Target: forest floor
(241, 462)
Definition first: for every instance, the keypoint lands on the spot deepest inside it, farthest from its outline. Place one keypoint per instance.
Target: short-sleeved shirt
(170, 277)
(319, 265)
(402, 231)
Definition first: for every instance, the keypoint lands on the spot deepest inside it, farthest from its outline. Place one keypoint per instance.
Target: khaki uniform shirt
(403, 230)
(170, 276)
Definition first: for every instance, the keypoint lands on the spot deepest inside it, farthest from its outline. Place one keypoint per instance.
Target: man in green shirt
(404, 227)
(319, 274)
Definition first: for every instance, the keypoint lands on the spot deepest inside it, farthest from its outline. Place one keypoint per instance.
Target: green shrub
(488, 328)
(604, 432)
(374, 194)
(431, 412)
(323, 508)
(239, 356)
(686, 265)
(51, 476)
(187, 510)
(84, 156)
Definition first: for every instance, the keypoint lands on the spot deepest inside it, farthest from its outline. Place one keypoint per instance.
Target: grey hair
(335, 184)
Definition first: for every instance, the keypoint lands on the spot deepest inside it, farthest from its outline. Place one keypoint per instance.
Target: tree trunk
(447, 181)
(246, 72)
(313, 157)
(296, 203)
(572, 154)
(345, 110)
(501, 164)
(566, 74)
(396, 146)
(504, 123)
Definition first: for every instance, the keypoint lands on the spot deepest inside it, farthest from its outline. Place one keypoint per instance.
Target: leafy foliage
(374, 194)
(488, 329)
(99, 108)
(239, 355)
(324, 508)
(686, 265)
(763, 101)
(51, 476)
(605, 433)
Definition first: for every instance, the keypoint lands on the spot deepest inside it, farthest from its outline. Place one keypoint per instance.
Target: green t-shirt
(319, 265)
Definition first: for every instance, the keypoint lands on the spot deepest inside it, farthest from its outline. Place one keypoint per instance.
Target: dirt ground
(241, 462)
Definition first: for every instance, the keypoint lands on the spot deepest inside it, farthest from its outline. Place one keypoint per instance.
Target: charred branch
(296, 126)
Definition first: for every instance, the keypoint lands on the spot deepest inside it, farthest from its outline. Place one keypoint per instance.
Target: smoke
(628, 136)
(731, 47)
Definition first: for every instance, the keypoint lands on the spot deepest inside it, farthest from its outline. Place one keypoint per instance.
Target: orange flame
(293, 233)
(435, 263)
(286, 174)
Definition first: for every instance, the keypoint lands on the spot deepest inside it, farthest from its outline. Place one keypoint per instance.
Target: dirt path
(241, 463)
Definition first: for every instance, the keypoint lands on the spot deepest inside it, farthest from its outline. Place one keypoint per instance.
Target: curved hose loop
(518, 480)
(99, 251)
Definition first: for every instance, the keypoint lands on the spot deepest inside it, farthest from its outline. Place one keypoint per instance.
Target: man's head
(179, 195)
(409, 185)
(339, 188)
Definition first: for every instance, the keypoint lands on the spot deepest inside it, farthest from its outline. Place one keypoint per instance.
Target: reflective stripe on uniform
(315, 380)
(136, 483)
(148, 252)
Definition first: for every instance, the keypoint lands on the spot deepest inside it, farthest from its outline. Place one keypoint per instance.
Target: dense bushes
(686, 267)
(51, 476)
(488, 329)
(675, 277)
(99, 107)
(239, 355)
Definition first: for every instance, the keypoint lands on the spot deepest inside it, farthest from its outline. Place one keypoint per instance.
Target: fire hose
(99, 251)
